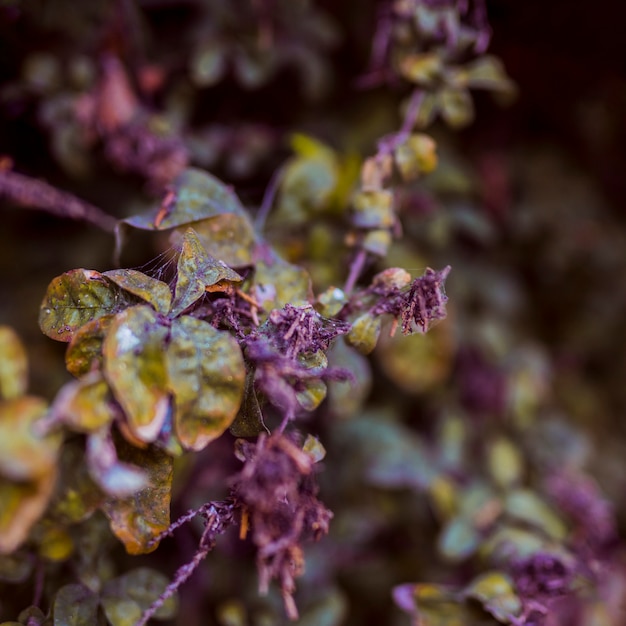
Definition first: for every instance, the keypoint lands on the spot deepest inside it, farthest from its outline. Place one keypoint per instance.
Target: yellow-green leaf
(13, 365)
(505, 462)
(364, 333)
(373, 209)
(277, 283)
(134, 366)
(137, 520)
(494, 590)
(83, 405)
(527, 506)
(228, 237)
(24, 454)
(206, 374)
(457, 108)
(155, 292)
(195, 195)
(416, 156)
(84, 352)
(23, 503)
(423, 68)
(197, 270)
(487, 72)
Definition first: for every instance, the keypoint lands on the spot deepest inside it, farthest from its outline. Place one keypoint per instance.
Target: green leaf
(196, 195)
(527, 506)
(330, 302)
(84, 352)
(253, 68)
(416, 156)
(505, 462)
(13, 365)
(309, 181)
(420, 362)
(249, 419)
(76, 496)
(208, 63)
(34, 616)
(75, 298)
(330, 610)
(373, 209)
(54, 542)
(364, 333)
(345, 398)
(277, 283)
(508, 542)
(487, 72)
(134, 366)
(16, 567)
(458, 540)
(428, 110)
(436, 605)
(142, 586)
(422, 69)
(153, 291)
(457, 108)
(314, 448)
(75, 605)
(136, 521)
(24, 454)
(197, 270)
(494, 590)
(311, 394)
(389, 454)
(229, 237)
(206, 373)
(121, 611)
(377, 242)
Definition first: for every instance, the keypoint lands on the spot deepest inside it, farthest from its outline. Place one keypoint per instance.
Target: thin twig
(33, 193)
(182, 574)
(218, 517)
(356, 268)
(268, 199)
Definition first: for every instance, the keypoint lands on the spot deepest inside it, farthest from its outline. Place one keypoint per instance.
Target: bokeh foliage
(286, 299)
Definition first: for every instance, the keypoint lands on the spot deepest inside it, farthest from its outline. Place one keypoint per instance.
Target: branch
(37, 194)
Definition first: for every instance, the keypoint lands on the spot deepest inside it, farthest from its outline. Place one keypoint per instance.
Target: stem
(268, 199)
(32, 193)
(356, 267)
(182, 574)
(216, 523)
(289, 415)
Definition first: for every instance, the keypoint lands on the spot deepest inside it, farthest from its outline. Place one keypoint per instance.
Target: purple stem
(268, 199)
(356, 268)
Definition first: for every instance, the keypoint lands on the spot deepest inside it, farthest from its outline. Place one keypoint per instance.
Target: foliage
(281, 376)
